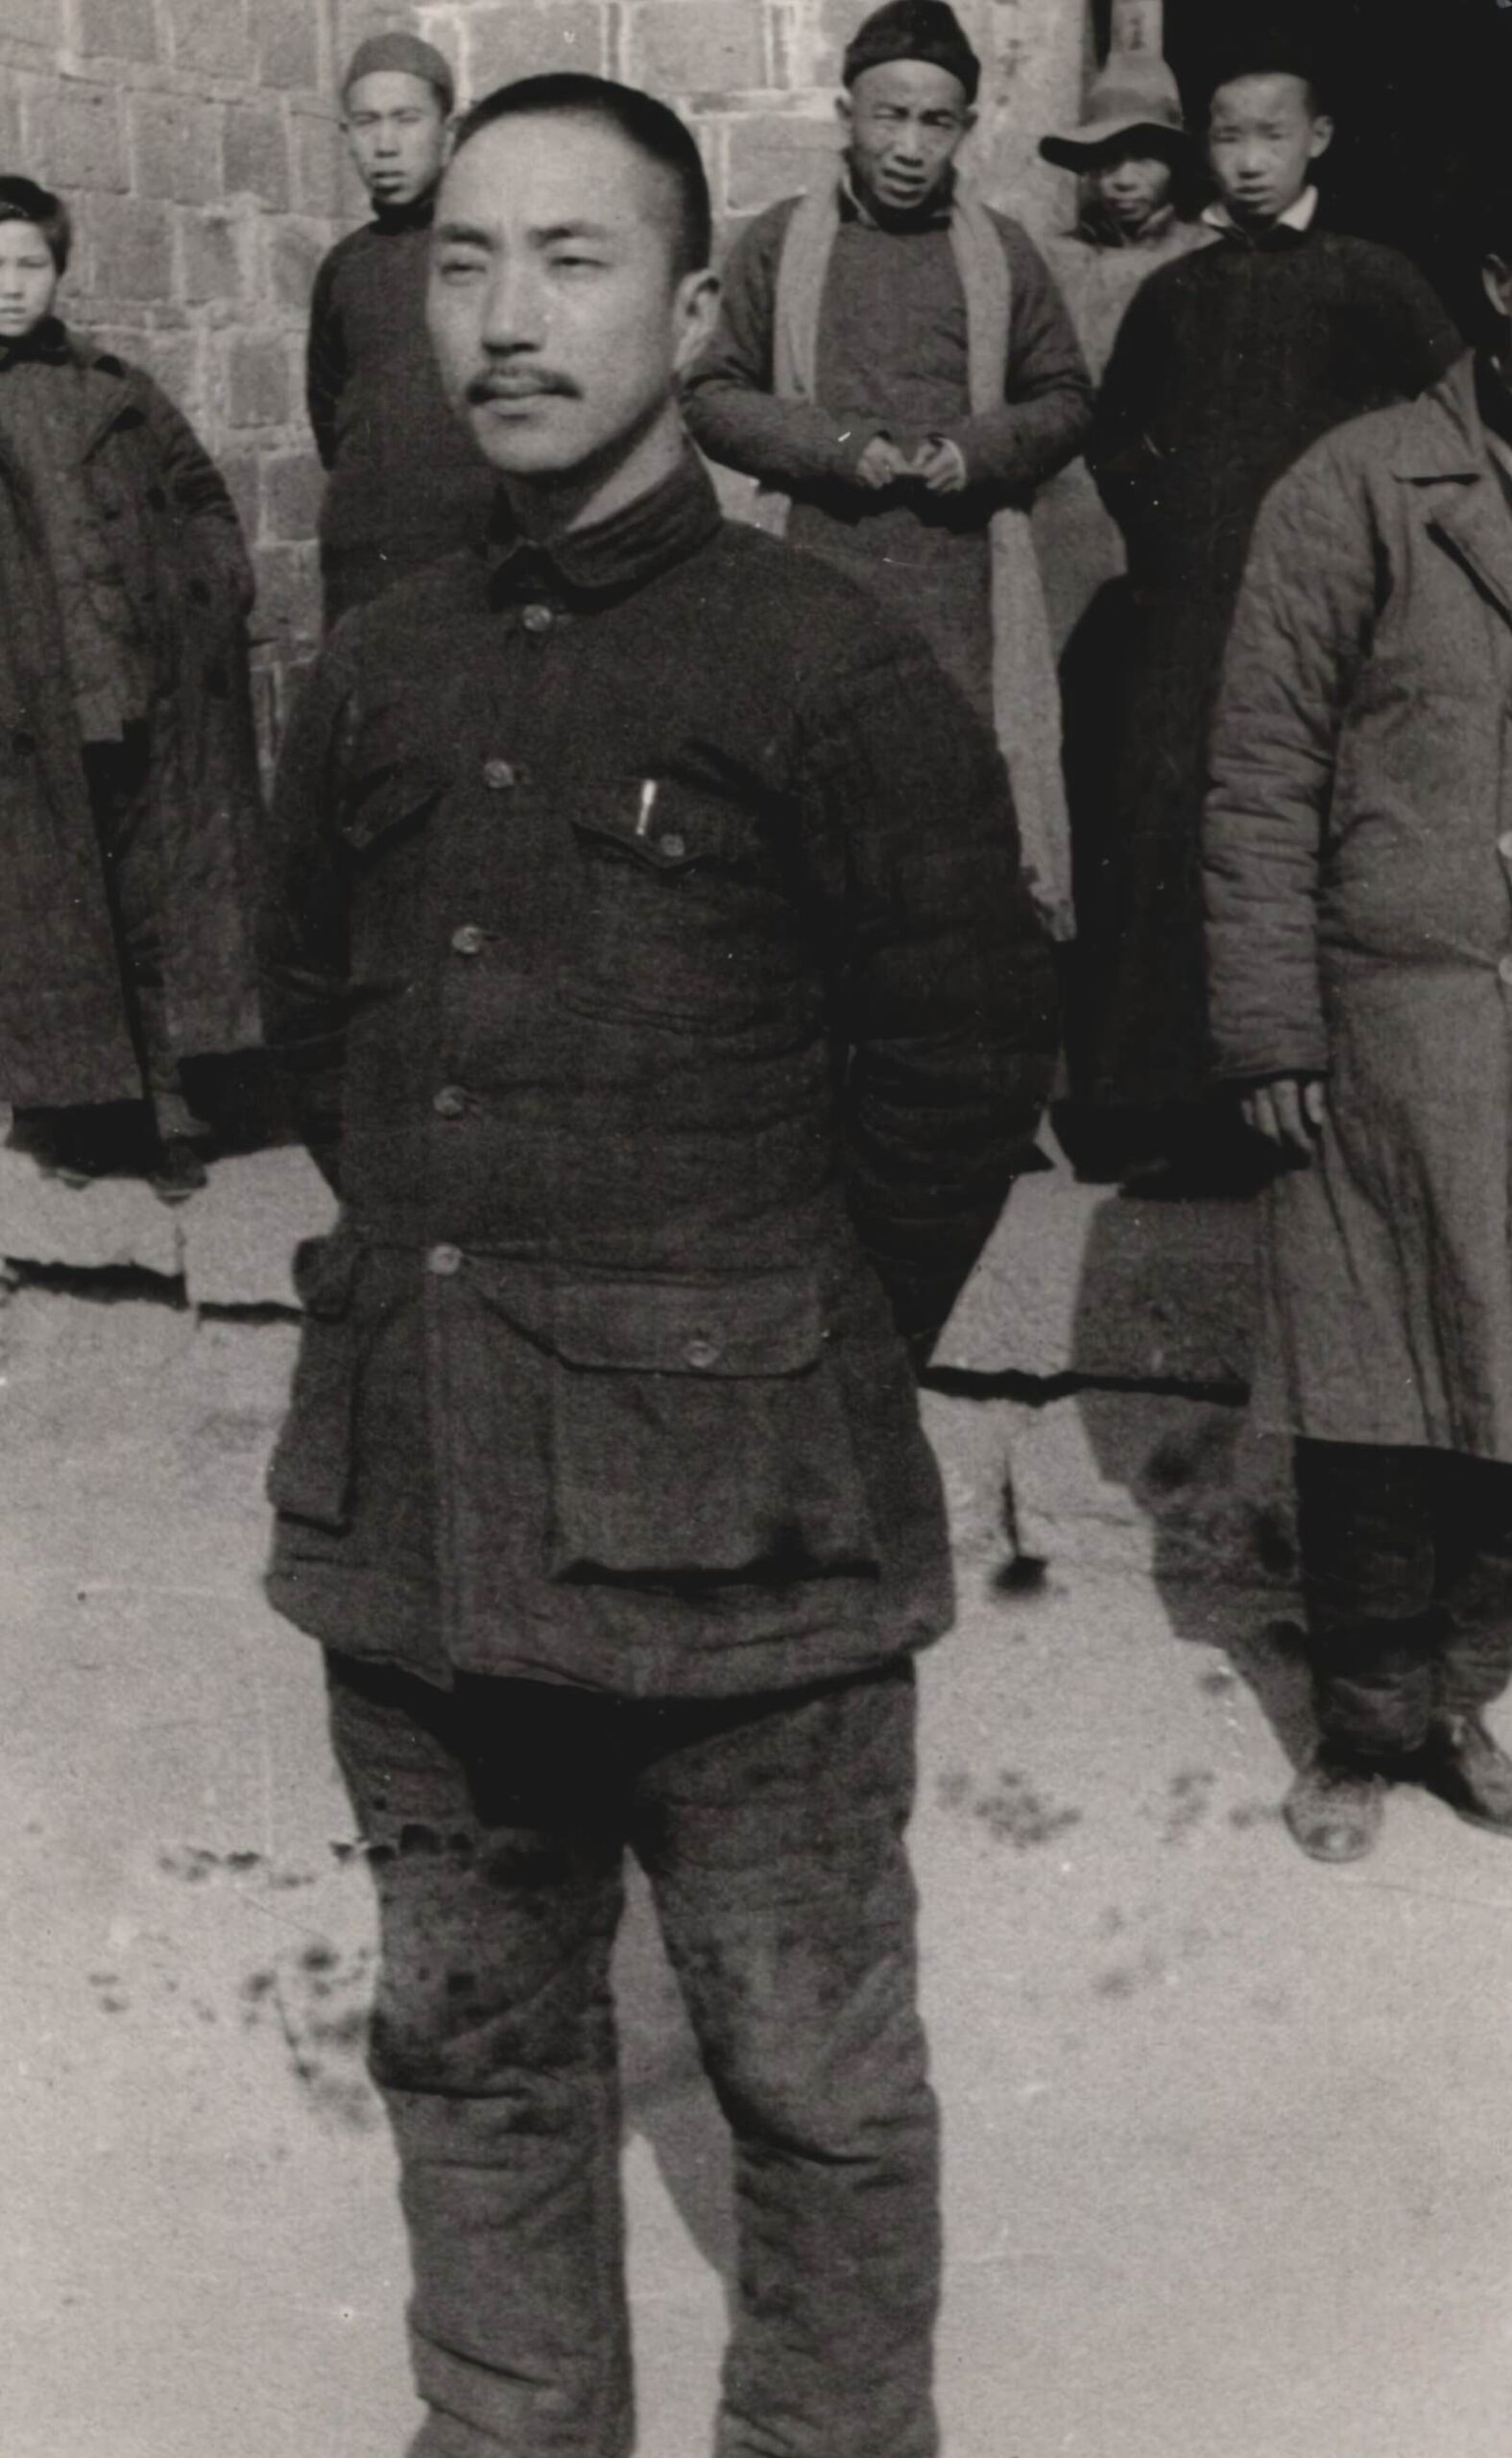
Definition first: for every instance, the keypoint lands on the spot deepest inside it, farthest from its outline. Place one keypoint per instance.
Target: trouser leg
(1365, 1523)
(493, 2043)
(1474, 1527)
(773, 1843)
(118, 776)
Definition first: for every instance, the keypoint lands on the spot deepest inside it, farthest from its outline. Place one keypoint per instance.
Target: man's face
(28, 280)
(558, 316)
(1264, 137)
(396, 130)
(905, 122)
(1130, 186)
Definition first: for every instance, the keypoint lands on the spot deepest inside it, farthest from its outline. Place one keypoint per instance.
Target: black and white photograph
(756, 1228)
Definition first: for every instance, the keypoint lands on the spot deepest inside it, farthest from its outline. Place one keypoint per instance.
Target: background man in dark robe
(405, 482)
(1227, 366)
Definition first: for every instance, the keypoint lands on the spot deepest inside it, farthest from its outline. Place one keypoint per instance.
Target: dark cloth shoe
(179, 1172)
(1463, 1766)
(1336, 1807)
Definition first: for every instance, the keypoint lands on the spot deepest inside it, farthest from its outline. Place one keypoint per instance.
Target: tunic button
(444, 1260)
(538, 618)
(499, 775)
(702, 1352)
(451, 1102)
(469, 940)
(674, 846)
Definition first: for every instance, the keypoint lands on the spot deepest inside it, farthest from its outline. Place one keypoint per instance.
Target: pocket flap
(770, 1326)
(384, 799)
(664, 826)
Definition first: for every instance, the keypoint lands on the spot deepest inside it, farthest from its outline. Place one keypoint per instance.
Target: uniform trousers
(1406, 1565)
(496, 1819)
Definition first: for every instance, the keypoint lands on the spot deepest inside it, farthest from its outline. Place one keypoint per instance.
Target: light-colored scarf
(1027, 698)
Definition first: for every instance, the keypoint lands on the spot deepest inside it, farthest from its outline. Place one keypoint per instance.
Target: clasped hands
(938, 465)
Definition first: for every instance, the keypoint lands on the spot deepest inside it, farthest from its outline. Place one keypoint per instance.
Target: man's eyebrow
(554, 230)
(466, 234)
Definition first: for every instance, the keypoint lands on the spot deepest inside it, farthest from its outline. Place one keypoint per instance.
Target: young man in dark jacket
(894, 363)
(405, 482)
(652, 956)
(1227, 367)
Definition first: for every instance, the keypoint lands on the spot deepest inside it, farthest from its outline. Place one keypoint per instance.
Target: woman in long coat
(1358, 868)
(129, 796)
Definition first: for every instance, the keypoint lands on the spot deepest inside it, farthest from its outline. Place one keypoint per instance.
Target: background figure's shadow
(667, 2097)
(1216, 1495)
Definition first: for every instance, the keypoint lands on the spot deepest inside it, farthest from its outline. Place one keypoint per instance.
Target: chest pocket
(682, 917)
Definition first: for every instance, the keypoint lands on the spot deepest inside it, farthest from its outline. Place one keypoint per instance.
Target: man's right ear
(844, 112)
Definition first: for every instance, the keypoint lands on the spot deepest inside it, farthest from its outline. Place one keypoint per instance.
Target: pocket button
(673, 846)
(451, 1102)
(444, 1261)
(468, 940)
(702, 1352)
(499, 775)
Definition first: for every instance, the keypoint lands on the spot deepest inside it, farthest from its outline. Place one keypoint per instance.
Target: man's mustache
(518, 384)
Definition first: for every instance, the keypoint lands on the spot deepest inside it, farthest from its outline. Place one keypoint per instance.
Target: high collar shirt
(1297, 220)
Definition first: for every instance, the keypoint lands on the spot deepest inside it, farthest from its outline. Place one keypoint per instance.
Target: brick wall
(198, 143)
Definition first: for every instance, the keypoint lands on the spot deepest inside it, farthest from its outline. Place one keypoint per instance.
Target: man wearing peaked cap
(405, 483)
(894, 364)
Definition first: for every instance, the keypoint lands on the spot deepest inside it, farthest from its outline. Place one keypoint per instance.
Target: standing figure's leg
(1365, 1523)
(119, 775)
(773, 1837)
(1474, 1527)
(494, 2045)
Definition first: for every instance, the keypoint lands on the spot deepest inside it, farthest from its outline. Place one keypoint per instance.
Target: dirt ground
(1229, 2171)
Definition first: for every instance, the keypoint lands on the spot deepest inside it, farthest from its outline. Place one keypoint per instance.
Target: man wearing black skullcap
(405, 482)
(895, 365)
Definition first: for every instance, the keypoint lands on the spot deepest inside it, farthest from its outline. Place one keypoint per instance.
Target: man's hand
(941, 465)
(1289, 1113)
(881, 464)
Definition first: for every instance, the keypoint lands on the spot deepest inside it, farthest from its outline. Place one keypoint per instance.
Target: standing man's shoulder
(805, 630)
(343, 255)
(756, 247)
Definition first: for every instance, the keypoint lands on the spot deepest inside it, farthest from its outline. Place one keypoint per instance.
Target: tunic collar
(392, 219)
(46, 343)
(616, 556)
(1286, 232)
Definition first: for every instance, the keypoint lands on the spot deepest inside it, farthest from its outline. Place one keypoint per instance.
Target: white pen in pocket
(648, 803)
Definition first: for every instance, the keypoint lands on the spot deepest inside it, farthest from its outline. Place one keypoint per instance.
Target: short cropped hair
(23, 201)
(649, 126)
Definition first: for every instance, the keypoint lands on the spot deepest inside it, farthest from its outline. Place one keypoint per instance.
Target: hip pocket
(698, 1432)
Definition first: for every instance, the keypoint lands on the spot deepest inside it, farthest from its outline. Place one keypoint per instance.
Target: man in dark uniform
(405, 481)
(647, 941)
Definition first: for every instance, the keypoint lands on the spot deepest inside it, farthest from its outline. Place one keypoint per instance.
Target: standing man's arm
(303, 938)
(949, 998)
(199, 499)
(1048, 393)
(732, 412)
(325, 363)
(1301, 632)
(1123, 450)
(1421, 337)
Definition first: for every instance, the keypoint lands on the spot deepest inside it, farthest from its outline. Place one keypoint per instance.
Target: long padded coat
(1358, 865)
(64, 1033)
